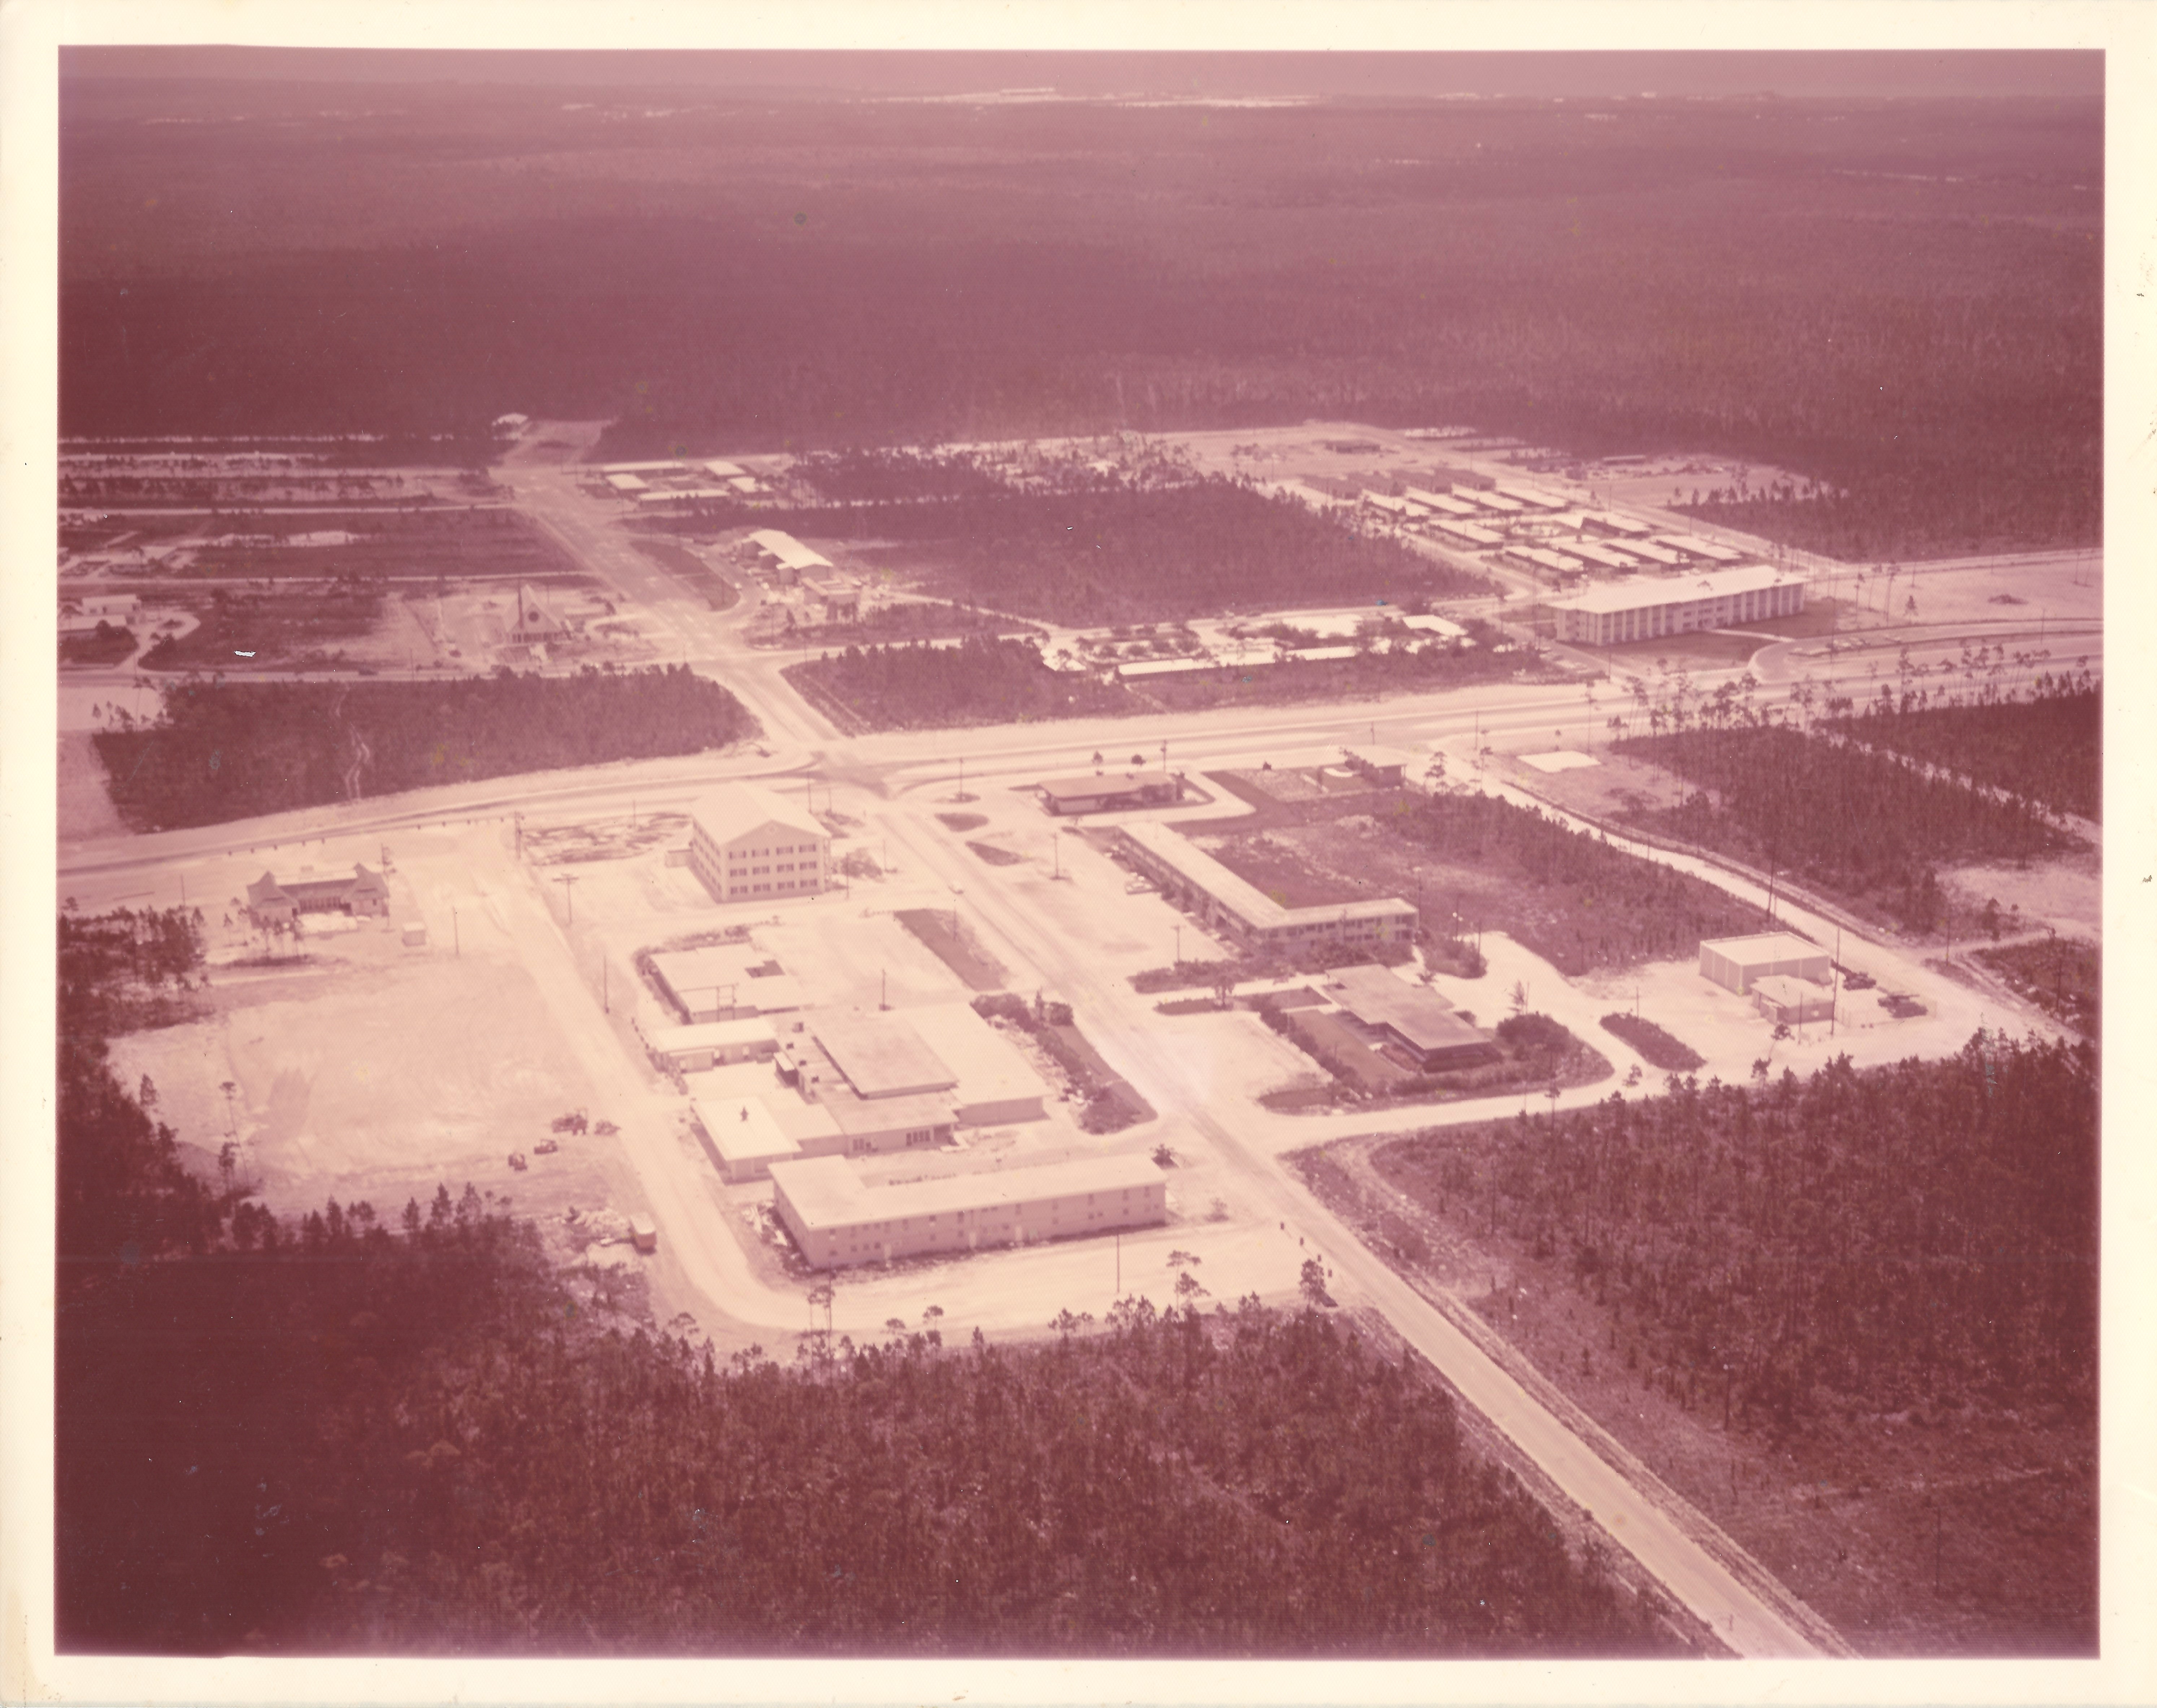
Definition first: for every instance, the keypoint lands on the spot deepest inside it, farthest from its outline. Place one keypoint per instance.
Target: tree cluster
(1122, 553)
(982, 680)
(1867, 824)
(223, 750)
(1569, 896)
(2046, 747)
(1923, 1231)
(1657, 1047)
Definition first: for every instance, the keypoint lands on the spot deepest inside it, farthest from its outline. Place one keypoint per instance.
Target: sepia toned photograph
(1084, 855)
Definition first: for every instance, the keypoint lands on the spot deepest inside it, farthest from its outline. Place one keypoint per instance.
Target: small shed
(1791, 1001)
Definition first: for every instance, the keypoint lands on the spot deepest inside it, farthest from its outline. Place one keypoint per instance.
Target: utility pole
(568, 890)
(456, 939)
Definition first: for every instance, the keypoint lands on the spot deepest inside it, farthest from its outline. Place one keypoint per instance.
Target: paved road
(894, 774)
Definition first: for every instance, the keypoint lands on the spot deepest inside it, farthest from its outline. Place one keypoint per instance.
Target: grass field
(250, 630)
(685, 565)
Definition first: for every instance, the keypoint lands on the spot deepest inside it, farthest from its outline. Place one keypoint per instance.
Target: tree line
(222, 749)
(984, 679)
(1866, 824)
(2045, 746)
(355, 1431)
(1926, 1231)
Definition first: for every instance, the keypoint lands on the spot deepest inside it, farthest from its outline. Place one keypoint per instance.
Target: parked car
(517, 1162)
(547, 1147)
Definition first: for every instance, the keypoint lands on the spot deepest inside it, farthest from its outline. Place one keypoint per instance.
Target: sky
(2052, 74)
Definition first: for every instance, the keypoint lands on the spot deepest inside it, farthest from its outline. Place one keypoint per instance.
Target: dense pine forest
(1127, 554)
(981, 680)
(1566, 894)
(2048, 746)
(1921, 1232)
(1896, 301)
(223, 750)
(1870, 826)
(394, 1430)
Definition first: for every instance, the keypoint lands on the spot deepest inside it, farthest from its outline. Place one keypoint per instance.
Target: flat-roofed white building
(997, 1085)
(1239, 910)
(1735, 963)
(1645, 607)
(1489, 500)
(724, 470)
(1610, 522)
(880, 1054)
(837, 1218)
(628, 483)
(1534, 496)
(1791, 1001)
(744, 1137)
(747, 843)
(788, 555)
(1693, 546)
(1468, 533)
(706, 1044)
(1443, 502)
(726, 981)
(1610, 557)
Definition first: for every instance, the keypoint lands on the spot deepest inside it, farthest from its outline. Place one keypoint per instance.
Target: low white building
(837, 1218)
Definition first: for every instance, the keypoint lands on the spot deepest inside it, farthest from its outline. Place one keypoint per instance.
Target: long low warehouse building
(1644, 609)
(838, 1218)
(1100, 793)
(1240, 911)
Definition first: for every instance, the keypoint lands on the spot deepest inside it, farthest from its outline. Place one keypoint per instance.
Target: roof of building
(638, 468)
(1196, 866)
(1677, 589)
(711, 967)
(720, 465)
(1622, 524)
(1440, 501)
(1474, 533)
(1091, 788)
(707, 1035)
(1531, 495)
(790, 551)
(1764, 946)
(827, 1192)
(673, 494)
(731, 810)
(1434, 625)
(1490, 500)
(626, 483)
(890, 1115)
(1419, 1015)
(742, 1129)
(989, 1067)
(1699, 547)
(882, 1055)
(1610, 557)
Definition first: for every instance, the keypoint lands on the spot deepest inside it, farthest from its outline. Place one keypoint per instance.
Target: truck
(644, 1233)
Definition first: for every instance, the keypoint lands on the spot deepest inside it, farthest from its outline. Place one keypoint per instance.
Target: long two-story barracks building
(1237, 909)
(1644, 609)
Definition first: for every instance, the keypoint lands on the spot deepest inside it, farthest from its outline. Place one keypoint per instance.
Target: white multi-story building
(748, 844)
(1644, 608)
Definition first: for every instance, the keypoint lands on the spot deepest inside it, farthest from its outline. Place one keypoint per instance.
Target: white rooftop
(708, 1035)
(788, 550)
(1564, 759)
(1676, 589)
(826, 1192)
(882, 1055)
(742, 1129)
(989, 1067)
(733, 810)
